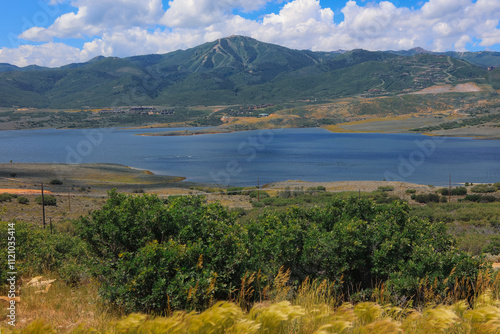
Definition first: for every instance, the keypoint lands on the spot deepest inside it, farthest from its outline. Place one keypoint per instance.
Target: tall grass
(315, 307)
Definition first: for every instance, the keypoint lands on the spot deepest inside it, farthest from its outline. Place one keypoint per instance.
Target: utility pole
(43, 208)
(258, 190)
(69, 202)
(449, 190)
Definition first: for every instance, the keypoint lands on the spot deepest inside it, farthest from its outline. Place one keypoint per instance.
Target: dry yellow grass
(263, 120)
(340, 128)
(285, 317)
(314, 309)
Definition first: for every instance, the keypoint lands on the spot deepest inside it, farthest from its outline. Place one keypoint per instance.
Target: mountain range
(239, 70)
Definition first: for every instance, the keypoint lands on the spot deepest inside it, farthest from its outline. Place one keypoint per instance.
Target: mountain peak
(419, 49)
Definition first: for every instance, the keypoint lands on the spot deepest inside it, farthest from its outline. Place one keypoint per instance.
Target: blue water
(271, 155)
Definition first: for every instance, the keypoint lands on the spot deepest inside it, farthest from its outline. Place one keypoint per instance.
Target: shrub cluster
(47, 200)
(185, 254)
(458, 191)
(38, 251)
(482, 188)
(6, 197)
(426, 198)
(480, 198)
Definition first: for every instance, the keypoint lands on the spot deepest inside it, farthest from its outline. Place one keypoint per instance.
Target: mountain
(483, 59)
(232, 70)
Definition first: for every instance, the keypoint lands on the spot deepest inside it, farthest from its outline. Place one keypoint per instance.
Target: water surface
(240, 158)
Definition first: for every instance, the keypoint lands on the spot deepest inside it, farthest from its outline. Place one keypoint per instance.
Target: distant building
(263, 115)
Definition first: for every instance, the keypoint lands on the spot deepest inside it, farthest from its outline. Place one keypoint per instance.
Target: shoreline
(105, 176)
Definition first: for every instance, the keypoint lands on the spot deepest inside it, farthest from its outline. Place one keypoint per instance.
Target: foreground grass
(314, 308)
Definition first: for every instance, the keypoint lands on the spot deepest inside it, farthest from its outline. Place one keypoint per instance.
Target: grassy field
(313, 307)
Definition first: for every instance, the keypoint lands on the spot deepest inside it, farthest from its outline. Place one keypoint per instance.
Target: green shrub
(256, 204)
(185, 254)
(234, 190)
(56, 182)
(488, 199)
(386, 188)
(473, 198)
(426, 198)
(47, 200)
(312, 190)
(39, 251)
(5, 197)
(493, 246)
(410, 191)
(458, 191)
(261, 194)
(383, 197)
(482, 188)
(23, 200)
(480, 198)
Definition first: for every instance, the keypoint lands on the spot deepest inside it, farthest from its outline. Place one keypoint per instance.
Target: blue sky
(58, 32)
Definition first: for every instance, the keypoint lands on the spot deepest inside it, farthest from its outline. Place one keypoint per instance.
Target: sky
(58, 32)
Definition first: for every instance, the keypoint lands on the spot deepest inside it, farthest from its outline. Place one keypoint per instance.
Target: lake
(240, 158)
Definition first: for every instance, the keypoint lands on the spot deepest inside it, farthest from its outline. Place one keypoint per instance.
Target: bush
(383, 197)
(5, 197)
(410, 191)
(386, 188)
(482, 188)
(23, 200)
(312, 190)
(493, 246)
(47, 200)
(186, 254)
(38, 251)
(473, 198)
(261, 194)
(234, 190)
(458, 191)
(488, 199)
(480, 198)
(426, 198)
(56, 182)
(151, 253)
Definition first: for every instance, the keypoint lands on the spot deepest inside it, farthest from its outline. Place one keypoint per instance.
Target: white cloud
(130, 27)
(97, 16)
(439, 9)
(202, 13)
(49, 54)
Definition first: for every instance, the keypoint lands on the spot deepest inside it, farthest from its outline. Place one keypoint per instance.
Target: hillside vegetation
(345, 264)
(233, 70)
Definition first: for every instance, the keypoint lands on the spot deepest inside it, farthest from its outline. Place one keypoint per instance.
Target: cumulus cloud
(98, 16)
(49, 54)
(202, 13)
(130, 27)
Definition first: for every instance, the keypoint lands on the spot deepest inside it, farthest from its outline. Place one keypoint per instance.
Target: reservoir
(240, 158)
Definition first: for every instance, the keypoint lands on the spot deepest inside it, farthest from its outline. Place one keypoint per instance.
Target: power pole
(258, 190)
(43, 208)
(449, 190)
(69, 202)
